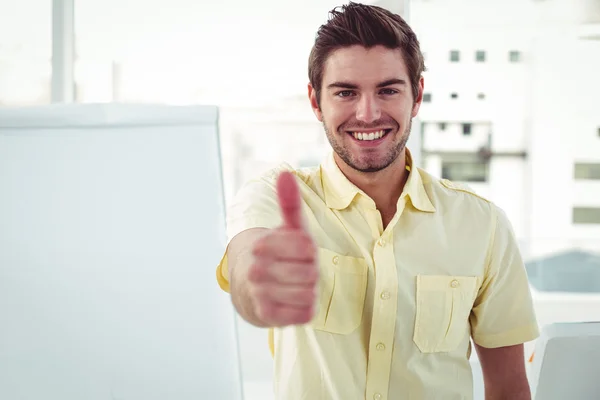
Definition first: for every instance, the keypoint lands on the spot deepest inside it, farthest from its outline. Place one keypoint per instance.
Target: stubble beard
(374, 166)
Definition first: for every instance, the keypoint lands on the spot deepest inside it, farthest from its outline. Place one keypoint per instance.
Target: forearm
(504, 373)
(521, 392)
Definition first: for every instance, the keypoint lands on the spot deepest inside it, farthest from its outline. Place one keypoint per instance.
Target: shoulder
(256, 204)
(265, 183)
(456, 196)
(270, 175)
(303, 175)
(447, 188)
(459, 187)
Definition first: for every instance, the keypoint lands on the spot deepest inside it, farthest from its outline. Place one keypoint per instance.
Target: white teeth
(369, 136)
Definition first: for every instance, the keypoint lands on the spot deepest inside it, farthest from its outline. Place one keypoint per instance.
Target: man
(373, 275)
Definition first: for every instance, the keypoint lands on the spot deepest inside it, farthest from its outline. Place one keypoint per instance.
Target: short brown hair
(368, 26)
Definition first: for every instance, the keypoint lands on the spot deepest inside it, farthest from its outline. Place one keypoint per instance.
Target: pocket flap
(341, 263)
(465, 284)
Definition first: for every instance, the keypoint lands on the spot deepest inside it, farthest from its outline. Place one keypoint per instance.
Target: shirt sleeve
(503, 313)
(254, 206)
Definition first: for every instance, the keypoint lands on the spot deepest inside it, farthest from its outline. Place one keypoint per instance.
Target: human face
(366, 105)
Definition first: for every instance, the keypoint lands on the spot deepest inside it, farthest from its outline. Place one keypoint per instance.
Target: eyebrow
(348, 85)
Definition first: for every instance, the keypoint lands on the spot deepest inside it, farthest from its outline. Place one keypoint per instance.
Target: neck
(384, 187)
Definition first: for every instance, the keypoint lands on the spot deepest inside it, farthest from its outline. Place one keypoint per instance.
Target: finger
(274, 314)
(293, 272)
(283, 272)
(285, 295)
(289, 200)
(285, 245)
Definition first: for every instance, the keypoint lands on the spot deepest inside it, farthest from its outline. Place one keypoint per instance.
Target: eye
(345, 93)
(388, 91)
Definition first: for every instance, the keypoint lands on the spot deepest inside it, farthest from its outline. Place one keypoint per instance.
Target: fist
(283, 279)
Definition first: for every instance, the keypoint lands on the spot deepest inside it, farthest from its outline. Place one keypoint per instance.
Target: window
(514, 56)
(426, 97)
(454, 56)
(480, 56)
(442, 126)
(152, 45)
(454, 95)
(466, 129)
(585, 171)
(25, 52)
(586, 215)
(574, 271)
(465, 171)
(481, 96)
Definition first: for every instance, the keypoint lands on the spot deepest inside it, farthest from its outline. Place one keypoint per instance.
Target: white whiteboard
(111, 226)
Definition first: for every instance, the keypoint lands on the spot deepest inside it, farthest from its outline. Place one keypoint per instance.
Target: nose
(368, 109)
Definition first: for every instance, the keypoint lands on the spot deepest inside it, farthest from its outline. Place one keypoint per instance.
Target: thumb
(289, 200)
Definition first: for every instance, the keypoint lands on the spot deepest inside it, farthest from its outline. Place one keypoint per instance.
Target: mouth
(371, 136)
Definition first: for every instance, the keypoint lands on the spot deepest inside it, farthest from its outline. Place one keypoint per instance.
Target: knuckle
(305, 245)
(261, 295)
(262, 312)
(303, 296)
(312, 273)
(256, 273)
(309, 296)
(259, 247)
(263, 245)
(304, 316)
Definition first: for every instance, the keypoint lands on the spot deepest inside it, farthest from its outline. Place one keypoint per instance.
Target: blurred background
(511, 106)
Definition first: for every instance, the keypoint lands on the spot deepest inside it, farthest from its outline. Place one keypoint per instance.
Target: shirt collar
(340, 192)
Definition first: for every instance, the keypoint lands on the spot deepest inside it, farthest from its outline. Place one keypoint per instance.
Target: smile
(369, 136)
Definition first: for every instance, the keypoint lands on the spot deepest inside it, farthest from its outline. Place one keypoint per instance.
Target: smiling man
(372, 275)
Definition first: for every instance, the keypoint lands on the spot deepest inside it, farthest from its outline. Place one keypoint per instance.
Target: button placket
(384, 317)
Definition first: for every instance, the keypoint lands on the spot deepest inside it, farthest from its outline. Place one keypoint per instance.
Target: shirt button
(381, 242)
(385, 295)
(380, 346)
(377, 396)
(335, 260)
(454, 283)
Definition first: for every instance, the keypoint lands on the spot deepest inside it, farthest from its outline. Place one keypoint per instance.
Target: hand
(283, 278)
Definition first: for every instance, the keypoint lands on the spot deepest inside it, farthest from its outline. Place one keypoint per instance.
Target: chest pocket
(443, 307)
(342, 290)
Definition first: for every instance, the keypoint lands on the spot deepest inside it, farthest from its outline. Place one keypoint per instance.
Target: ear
(314, 102)
(419, 99)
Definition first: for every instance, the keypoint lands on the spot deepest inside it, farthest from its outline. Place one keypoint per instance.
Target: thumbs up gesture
(283, 278)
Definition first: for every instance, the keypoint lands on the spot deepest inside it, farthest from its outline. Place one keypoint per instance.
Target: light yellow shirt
(397, 307)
